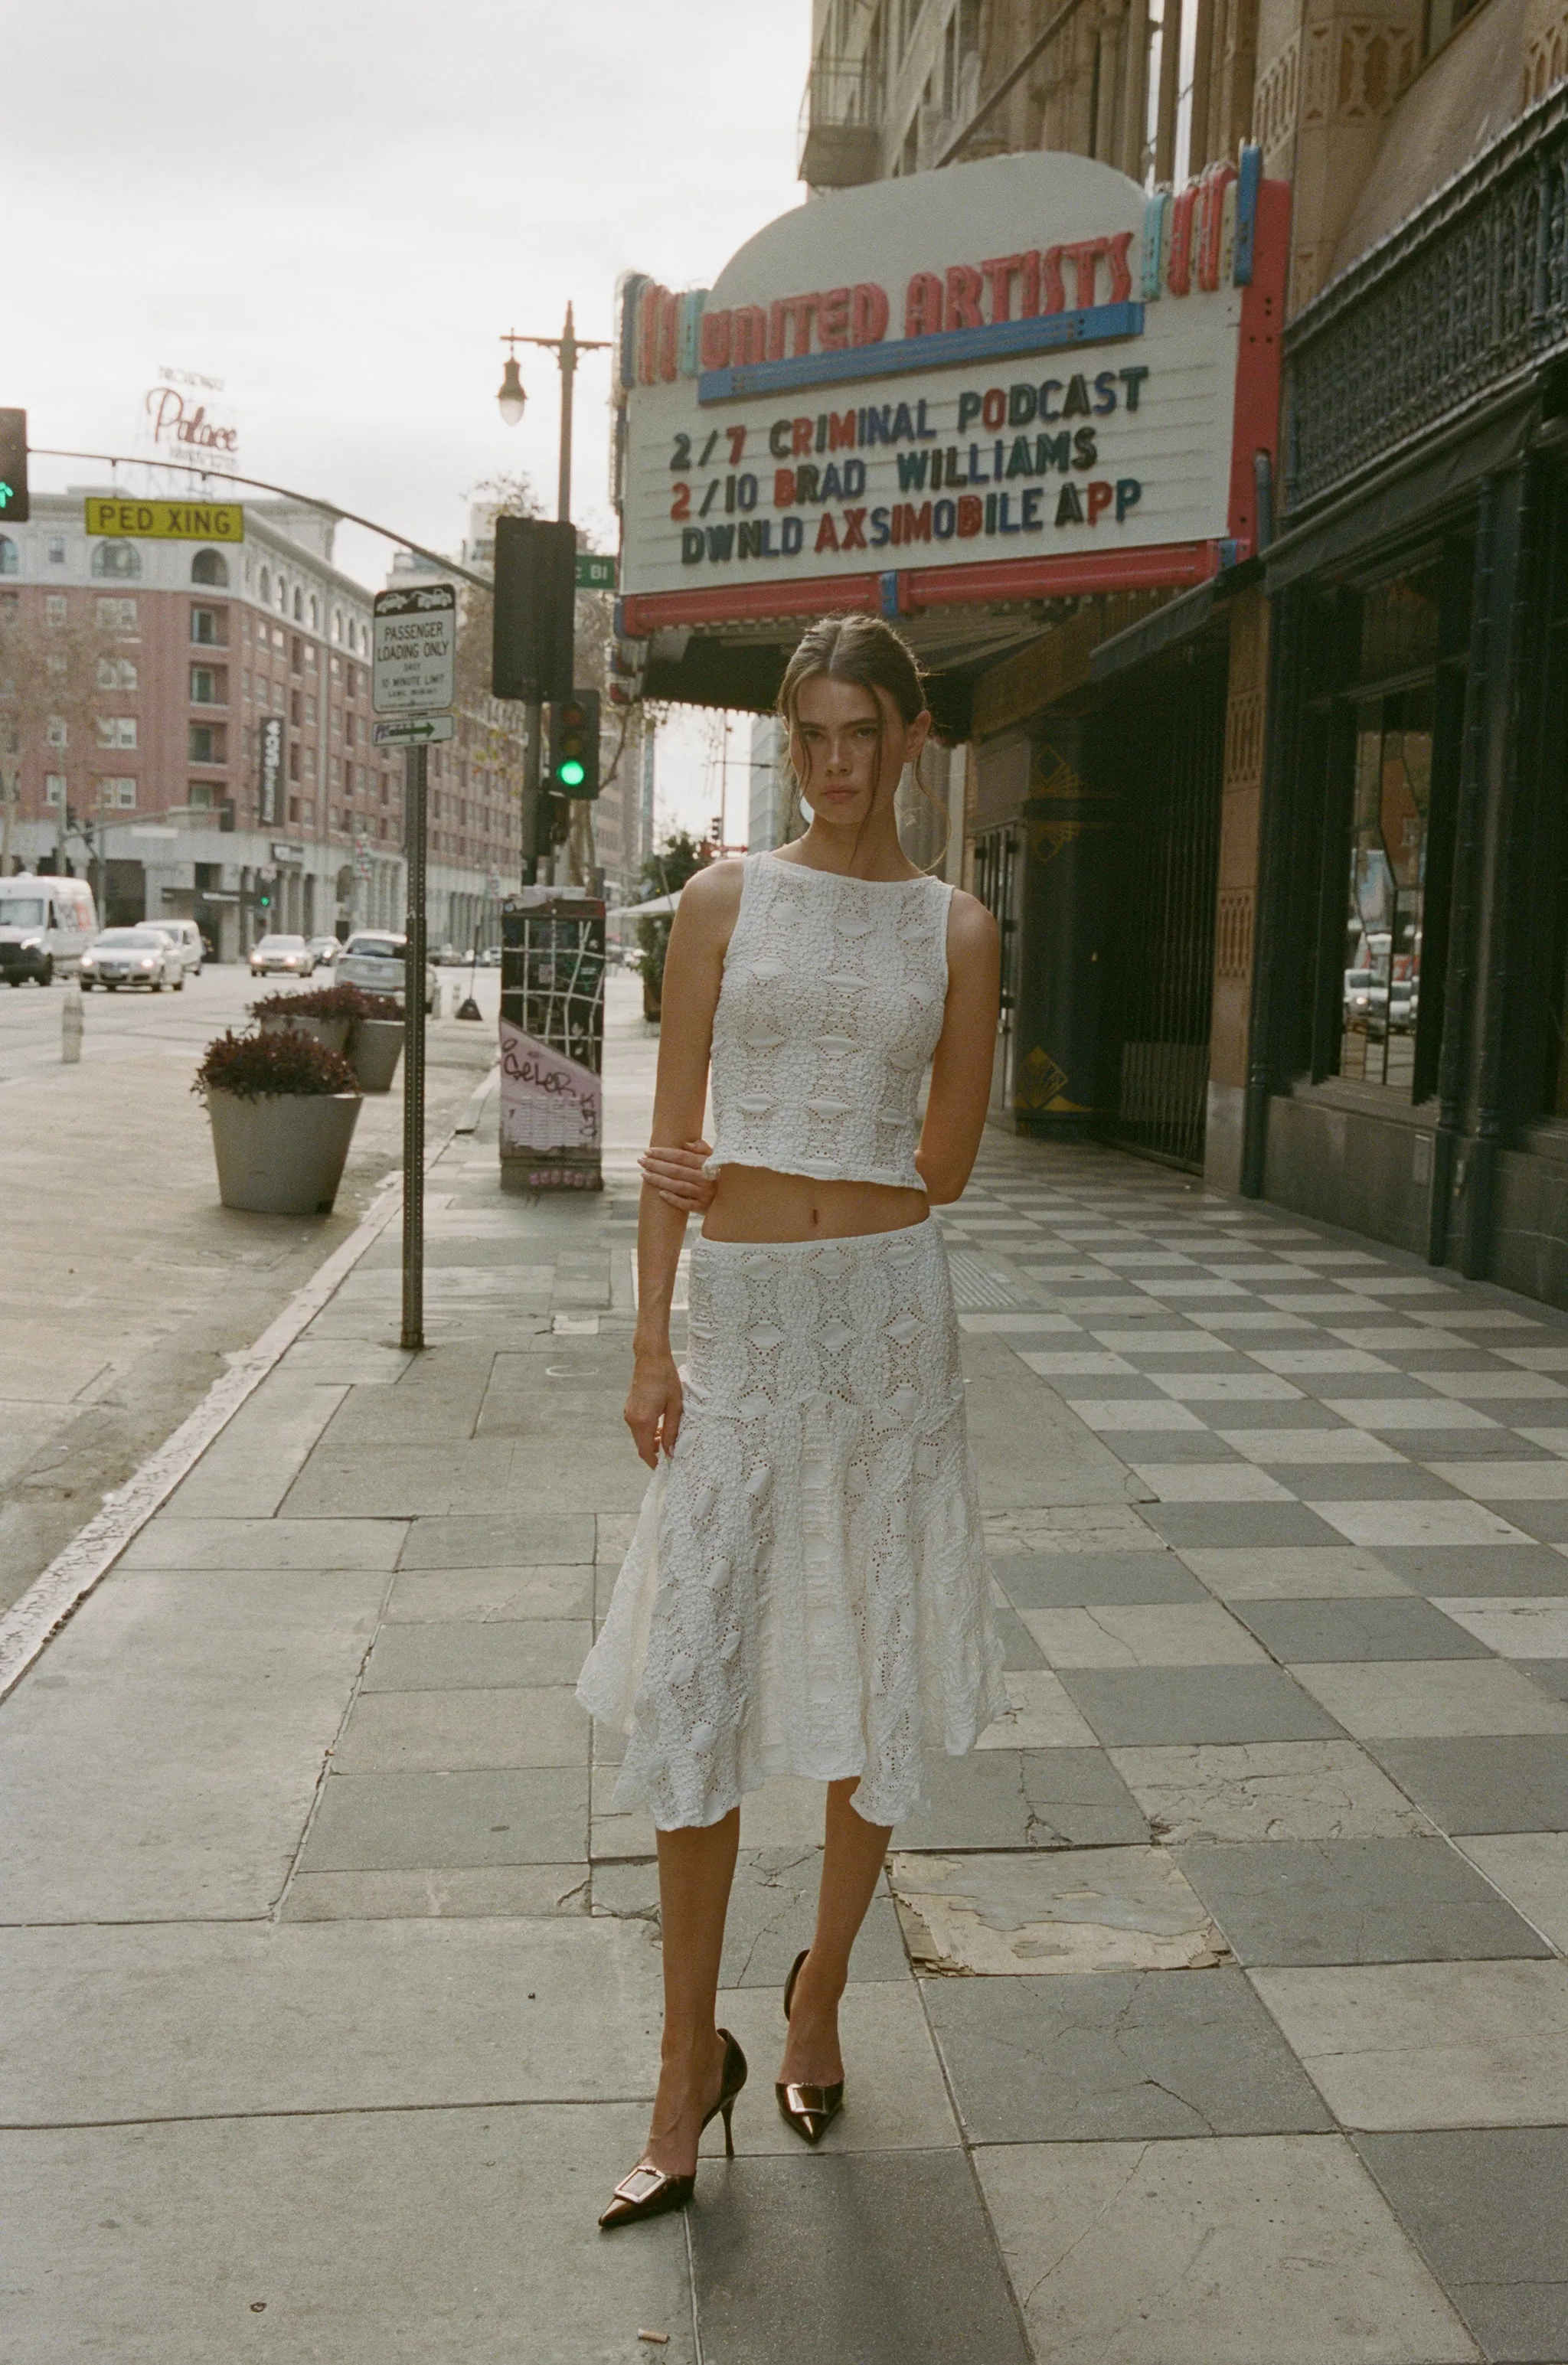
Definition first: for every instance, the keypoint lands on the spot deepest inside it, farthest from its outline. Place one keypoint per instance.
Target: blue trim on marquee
(1250, 174)
(1097, 324)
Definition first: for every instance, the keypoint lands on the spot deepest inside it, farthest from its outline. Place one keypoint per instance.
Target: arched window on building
(281, 597)
(10, 556)
(264, 588)
(336, 623)
(299, 605)
(315, 614)
(119, 560)
(210, 566)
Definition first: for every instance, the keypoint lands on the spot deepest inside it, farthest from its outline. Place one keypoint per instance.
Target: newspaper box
(552, 1043)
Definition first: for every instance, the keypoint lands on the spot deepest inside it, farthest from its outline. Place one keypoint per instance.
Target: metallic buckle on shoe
(642, 2184)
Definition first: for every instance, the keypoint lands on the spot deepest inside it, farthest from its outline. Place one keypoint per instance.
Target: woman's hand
(676, 1175)
(654, 1406)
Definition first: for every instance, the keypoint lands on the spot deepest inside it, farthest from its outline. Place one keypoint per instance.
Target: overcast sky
(336, 209)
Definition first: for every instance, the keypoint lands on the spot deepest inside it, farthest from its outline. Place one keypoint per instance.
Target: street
(1213, 2011)
(126, 1284)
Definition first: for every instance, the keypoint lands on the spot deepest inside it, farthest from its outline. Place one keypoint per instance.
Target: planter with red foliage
(367, 1028)
(284, 1109)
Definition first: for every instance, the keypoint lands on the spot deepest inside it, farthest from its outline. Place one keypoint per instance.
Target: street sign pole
(415, 761)
(413, 651)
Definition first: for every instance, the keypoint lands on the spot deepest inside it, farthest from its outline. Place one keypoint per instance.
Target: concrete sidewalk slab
(905, 2269)
(1214, 2253)
(1094, 2056)
(432, 2236)
(462, 1731)
(1083, 1910)
(343, 2016)
(408, 1821)
(1430, 2045)
(1354, 1901)
(171, 1542)
(1270, 1790)
(159, 1762)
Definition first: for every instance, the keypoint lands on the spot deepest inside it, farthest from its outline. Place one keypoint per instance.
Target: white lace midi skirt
(806, 1591)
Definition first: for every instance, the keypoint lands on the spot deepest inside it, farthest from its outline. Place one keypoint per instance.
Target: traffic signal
(574, 745)
(536, 591)
(14, 467)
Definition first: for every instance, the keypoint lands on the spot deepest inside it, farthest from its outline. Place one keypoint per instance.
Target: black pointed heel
(809, 2110)
(648, 2191)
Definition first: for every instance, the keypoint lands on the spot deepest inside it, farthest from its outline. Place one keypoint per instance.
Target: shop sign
(287, 850)
(1027, 358)
(270, 746)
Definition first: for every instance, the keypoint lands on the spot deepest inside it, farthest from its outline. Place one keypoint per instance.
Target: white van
(45, 925)
(187, 936)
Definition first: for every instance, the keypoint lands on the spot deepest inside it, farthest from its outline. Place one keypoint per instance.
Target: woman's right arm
(694, 970)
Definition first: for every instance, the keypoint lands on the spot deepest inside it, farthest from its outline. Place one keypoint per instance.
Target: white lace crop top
(830, 1009)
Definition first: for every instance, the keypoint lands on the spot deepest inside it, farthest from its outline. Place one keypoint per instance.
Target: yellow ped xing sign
(161, 520)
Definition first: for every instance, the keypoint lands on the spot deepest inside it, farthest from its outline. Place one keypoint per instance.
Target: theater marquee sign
(1008, 379)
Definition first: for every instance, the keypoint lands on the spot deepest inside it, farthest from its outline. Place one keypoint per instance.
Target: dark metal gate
(1166, 757)
(998, 882)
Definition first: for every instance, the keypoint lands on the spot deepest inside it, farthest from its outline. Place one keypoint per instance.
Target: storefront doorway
(1164, 748)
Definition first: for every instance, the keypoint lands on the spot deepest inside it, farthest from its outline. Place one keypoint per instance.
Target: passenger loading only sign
(1025, 357)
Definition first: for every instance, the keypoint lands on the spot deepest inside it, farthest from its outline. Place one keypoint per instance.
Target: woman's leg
(695, 1870)
(853, 1852)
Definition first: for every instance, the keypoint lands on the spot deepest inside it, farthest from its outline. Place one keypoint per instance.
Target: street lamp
(512, 398)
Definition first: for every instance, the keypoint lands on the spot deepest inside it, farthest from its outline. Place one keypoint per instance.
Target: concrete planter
(283, 1155)
(377, 1048)
(332, 1032)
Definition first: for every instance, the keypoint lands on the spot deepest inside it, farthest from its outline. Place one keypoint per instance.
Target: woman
(806, 1591)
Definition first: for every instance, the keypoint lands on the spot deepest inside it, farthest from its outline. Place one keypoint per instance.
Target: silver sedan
(373, 960)
(133, 957)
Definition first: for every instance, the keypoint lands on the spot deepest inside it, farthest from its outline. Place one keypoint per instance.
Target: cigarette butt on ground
(659, 2340)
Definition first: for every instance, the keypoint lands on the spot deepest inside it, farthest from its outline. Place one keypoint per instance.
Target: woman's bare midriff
(752, 1203)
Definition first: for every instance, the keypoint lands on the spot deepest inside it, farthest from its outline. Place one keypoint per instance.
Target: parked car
(1366, 998)
(374, 960)
(45, 925)
(282, 956)
(187, 936)
(326, 949)
(133, 957)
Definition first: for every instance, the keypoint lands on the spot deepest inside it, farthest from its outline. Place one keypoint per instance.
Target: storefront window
(1386, 886)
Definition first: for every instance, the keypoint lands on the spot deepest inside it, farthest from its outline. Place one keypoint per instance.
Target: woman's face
(849, 747)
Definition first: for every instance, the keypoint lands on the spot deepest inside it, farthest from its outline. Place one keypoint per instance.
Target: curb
(50, 1600)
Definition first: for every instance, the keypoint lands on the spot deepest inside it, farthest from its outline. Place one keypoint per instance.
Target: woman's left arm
(965, 1052)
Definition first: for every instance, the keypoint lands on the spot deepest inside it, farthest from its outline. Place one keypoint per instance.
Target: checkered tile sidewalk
(1320, 1662)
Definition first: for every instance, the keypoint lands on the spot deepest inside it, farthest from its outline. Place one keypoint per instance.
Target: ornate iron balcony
(1467, 295)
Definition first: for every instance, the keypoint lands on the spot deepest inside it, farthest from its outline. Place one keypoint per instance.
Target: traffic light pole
(531, 801)
(566, 348)
(414, 778)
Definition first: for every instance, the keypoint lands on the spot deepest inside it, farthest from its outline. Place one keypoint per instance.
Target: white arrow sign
(413, 731)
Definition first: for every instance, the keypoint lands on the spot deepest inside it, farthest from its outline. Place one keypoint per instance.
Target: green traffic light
(571, 772)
